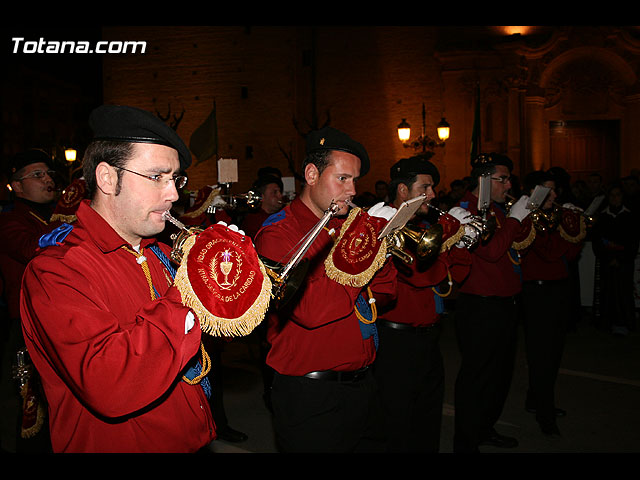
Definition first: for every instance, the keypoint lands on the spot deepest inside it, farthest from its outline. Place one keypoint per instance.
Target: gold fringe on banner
(211, 323)
(362, 278)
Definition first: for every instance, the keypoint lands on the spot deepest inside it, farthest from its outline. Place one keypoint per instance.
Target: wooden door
(585, 147)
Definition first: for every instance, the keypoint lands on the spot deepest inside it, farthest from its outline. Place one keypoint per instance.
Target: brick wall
(366, 80)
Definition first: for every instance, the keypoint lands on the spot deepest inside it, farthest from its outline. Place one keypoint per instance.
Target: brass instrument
(248, 200)
(588, 218)
(543, 220)
(426, 242)
(429, 241)
(285, 278)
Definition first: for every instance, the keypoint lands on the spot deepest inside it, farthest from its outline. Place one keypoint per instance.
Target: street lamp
(423, 142)
(70, 154)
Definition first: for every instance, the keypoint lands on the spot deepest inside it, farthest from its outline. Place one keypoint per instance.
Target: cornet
(249, 199)
(426, 242)
(285, 278)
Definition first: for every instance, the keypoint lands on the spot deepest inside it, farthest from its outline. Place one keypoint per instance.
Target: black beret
(20, 160)
(130, 124)
(266, 180)
(491, 159)
(328, 138)
(537, 177)
(408, 167)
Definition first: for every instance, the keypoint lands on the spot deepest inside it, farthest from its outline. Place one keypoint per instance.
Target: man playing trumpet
(409, 366)
(546, 295)
(103, 323)
(324, 339)
(486, 313)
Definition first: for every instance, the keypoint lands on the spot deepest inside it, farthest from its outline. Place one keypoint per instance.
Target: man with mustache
(324, 339)
(102, 320)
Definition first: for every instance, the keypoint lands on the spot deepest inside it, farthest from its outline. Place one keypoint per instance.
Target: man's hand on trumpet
(519, 210)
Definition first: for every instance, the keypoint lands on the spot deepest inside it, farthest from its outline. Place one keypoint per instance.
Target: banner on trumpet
(223, 280)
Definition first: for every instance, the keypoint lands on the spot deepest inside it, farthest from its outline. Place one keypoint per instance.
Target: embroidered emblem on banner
(223, 280)
(357, 253)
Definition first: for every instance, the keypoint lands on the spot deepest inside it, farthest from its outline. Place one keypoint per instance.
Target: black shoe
(559, 412)
(228, 434)
(494, 439)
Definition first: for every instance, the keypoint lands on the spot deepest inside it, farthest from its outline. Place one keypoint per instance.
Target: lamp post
(70, 155)
(423, 142)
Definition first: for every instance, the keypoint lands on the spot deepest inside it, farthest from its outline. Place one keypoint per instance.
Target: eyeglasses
(38, 174)
(502, 180)
(179, 180)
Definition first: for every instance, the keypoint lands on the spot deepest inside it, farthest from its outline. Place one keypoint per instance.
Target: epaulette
(275, 218)
(56, 236)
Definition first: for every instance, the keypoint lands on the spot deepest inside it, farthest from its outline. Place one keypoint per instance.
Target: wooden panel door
(584, 147)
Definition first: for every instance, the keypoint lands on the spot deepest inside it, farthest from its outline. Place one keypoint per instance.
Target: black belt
(334, 376)
(406, 327)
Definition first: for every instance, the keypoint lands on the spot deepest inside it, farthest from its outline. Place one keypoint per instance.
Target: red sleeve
(113, 369)
(277, 244)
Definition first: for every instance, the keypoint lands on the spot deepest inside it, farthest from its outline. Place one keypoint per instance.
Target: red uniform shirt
(547, 257)
(21, 229)
(253, 222)
(109, 357)
(319, 328)
(495, 265)
(417, 303)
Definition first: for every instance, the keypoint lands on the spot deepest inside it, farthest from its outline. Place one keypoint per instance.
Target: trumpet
(482, 226)
(588, 218)
(249, 200)
(426, 242)
(543, 220)
(286, 278)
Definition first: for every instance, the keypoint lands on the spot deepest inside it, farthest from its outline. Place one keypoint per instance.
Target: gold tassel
(215, 325)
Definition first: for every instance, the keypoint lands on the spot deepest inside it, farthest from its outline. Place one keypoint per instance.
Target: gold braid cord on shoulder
(574, 238)
(363, 263)
(230, 313)
(527, 241)
(452, 240)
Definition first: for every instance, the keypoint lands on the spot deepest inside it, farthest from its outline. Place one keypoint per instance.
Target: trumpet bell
(427, 242)
(178, 239)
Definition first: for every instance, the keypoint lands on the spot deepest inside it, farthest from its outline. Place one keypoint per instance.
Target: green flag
(204, 140)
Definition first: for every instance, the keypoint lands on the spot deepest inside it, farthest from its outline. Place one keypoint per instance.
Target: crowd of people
(122, 354)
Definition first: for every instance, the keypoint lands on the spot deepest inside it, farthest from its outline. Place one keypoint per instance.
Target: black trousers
(547, 307)
(410, 374)
(327, 416)
(486, 328)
